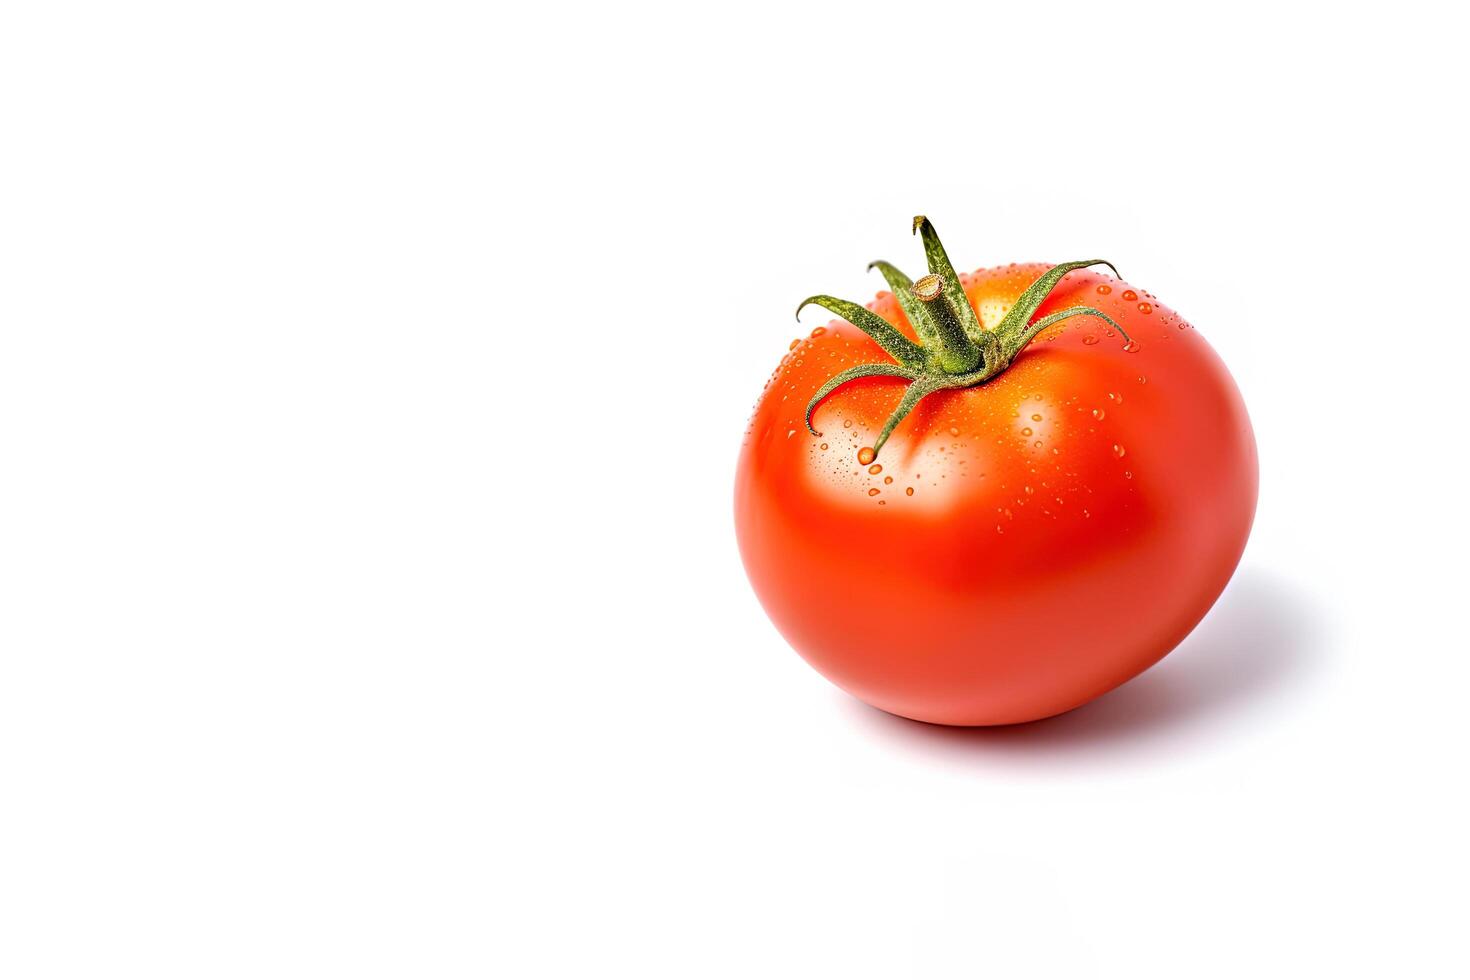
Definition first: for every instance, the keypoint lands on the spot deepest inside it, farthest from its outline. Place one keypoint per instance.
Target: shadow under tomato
(1259, 642)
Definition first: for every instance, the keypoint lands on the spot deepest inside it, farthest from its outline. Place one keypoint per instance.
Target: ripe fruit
(1029, 485)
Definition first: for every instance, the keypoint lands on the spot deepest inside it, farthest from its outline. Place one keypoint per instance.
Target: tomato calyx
(954, 349)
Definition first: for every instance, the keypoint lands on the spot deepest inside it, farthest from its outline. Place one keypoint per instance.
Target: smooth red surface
(1069, 522)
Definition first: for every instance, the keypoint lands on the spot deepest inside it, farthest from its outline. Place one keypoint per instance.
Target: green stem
(957, 353)
(940, 265)
(903, 291)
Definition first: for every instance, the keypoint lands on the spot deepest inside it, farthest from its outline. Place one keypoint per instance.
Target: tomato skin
(1070, 521)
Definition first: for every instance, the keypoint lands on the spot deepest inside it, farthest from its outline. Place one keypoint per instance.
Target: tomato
(1018, 545)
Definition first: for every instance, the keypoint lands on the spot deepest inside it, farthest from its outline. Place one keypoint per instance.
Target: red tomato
(1017, 547)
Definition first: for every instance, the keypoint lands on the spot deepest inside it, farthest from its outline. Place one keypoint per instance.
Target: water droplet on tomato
(824, 445)
(1131, 347)
(875, 469)
(1127, 474)
(1142, 380)
(794, 343)
(1119, 451)
(908, 491)
(954, 431)
(819, 331)
(1028, 490)
(847, 423)
(888, 479)
(1104, 289)
(1090, 339)
(874, 491)
(1099, 414)
(790, 433)
(865, 455)
(1036, 418)
(1026, 431)
(1129, 295)
(1145, 308)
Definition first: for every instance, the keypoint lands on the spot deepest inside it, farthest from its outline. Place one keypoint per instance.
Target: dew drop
(824, 445)
(888, 479)
(875, 469)
(1119, 451)
(874, 491)
(954, 431)
(847, 423)
(819, 331)
(1037, 444)
(1142, 380)
(1145, 308)
(794, 343)
(1104, 289)
(1127, 474)
(1113, 396)
(908, 491)
(790, 433)
(1036, 418)
(1029, 491)
(1129, 295)
(1026, 431)
(1090, 339)
(1131, 347)
(865, 455)
(1099, 414)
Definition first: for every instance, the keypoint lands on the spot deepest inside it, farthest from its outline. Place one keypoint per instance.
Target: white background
(371, 384)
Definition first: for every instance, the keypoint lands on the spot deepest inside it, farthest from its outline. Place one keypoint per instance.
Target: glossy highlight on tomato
(1017, 547)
